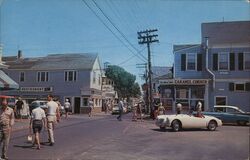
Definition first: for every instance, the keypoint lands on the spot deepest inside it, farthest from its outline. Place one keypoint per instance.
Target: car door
(190, 121)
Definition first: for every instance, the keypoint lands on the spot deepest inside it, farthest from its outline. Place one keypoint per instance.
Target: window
(247, 61)
(223, 61)
(197, 92)
(191, 59)
(21, 77)
(42, 76)
(70, 76)
(221, 100)
(94, 77)
(240, 87)
(99, 80)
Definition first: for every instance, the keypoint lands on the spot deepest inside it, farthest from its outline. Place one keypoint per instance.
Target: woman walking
(37, 121)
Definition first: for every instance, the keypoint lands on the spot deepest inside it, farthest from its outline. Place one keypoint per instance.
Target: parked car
(39, 103)
(184, 121)
(229, 109)
(115, 109)
(230, 114)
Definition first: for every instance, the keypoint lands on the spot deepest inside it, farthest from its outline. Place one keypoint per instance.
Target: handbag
(29, 138)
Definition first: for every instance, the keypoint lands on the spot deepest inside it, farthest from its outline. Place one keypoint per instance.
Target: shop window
(223, 61)
(197, 93)
(85, 101)
(221, 100)
(182, 93)
(21, 76)
(70, 76)
(42, 76)
(247, 61)
(191, 59)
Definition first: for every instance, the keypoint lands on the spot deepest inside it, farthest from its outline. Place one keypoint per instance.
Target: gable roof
(83, 61)
(226, 32)
(184, 46)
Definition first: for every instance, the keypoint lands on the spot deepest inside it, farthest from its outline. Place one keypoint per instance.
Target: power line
(125, 61)
(112, 23)
(100, 19)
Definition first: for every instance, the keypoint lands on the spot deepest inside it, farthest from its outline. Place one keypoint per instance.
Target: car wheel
(212, 125)
(176, 126)
(242, 123)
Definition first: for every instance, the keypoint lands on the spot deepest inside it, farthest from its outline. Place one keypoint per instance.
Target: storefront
(185, 91)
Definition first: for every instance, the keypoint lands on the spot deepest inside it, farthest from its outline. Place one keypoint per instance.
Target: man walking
(7, 119)
(120, 106)
(67, 107)
(52, 115)
(19, 107)
(91, 106)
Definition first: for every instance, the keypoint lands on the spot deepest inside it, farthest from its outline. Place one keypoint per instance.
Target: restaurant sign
(183, 82)
(36, 89)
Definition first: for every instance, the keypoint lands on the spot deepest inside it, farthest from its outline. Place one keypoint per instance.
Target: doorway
(77, 105)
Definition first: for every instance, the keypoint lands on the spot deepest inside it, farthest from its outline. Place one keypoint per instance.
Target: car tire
(176, 125)
(212, 125)
(242, 123)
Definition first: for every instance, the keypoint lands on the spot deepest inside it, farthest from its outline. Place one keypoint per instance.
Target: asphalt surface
(105, 138)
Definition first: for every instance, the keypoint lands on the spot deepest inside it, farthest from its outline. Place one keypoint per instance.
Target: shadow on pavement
(183, 130)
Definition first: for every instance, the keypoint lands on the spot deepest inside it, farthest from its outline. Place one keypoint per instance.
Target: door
(77, 105)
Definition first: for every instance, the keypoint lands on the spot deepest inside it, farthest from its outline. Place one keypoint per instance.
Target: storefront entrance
(77, 104)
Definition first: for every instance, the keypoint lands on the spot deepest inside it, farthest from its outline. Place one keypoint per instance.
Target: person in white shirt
(67, 107)
(37, 121)
(91, 106)
(53, 116)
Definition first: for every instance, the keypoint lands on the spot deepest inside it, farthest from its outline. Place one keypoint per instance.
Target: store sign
(36, 89)
(107, 88)
(183, 82)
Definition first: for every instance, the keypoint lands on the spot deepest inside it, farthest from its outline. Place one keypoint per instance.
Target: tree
(124, 82)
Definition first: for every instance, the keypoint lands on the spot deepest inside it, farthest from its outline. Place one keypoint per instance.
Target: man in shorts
(37, 121)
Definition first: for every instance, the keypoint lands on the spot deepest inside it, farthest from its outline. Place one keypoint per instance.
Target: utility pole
(145, 77)
(147, 37)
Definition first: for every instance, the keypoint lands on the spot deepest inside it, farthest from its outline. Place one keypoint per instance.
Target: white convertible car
(179, 121)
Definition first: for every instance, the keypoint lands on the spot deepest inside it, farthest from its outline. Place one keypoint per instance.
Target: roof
(6, 83)
(184, 46)
(56, 62)
(226, 32)
(159, 71)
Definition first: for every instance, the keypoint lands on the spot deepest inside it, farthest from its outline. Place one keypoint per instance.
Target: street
(105, 138)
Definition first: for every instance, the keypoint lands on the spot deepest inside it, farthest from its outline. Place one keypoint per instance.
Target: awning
(6, 83)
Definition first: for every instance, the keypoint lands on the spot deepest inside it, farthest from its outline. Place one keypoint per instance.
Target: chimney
(19, 54)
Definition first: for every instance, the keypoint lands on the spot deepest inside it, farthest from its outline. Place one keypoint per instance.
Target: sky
(109, 27)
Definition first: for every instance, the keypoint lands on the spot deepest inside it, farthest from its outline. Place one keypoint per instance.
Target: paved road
(105, 138)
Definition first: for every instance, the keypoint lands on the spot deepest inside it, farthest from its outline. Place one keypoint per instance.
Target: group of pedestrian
(137, 111)
(40, 120)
